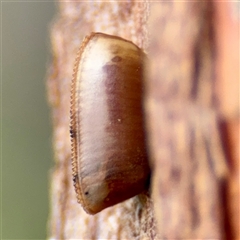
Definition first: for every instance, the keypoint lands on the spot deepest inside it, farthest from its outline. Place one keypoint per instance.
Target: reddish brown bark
(192, 119)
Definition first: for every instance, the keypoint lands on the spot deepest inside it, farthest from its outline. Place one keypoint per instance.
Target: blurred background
(26, 154)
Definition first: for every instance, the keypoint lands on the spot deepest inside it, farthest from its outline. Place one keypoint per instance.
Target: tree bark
(192, 120)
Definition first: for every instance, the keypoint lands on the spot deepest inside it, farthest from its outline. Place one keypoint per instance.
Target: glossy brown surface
(108, 142)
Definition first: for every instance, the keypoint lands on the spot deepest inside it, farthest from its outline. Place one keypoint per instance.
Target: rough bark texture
(192, 116)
